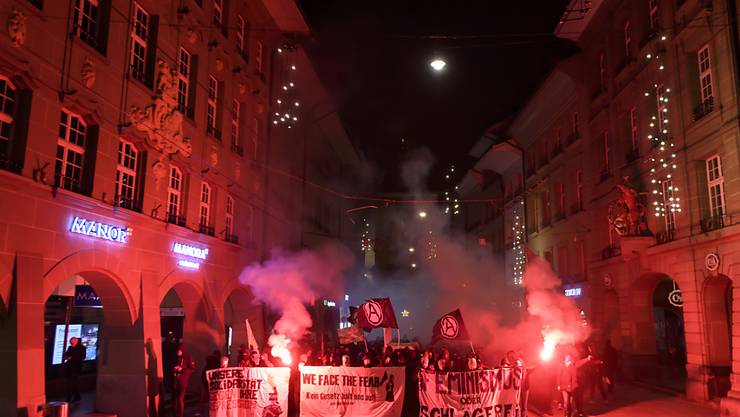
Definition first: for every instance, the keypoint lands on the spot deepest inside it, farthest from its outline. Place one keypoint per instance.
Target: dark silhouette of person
(389, 389)
(73, 358)
(181, 375)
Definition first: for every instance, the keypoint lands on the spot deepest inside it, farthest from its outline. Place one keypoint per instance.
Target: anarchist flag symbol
(373, 312)
(450, 327)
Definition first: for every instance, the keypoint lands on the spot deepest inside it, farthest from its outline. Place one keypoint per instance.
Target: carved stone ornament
(627, 214)
(161, 121)
(88, 73)
(213, 156)
(219, 64)
(159, 170)
(237, 171)
(17, 28)
(192, 36)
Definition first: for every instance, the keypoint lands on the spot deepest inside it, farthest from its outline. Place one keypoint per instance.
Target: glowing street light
(411, 249)
(438, 64)
(422, 214)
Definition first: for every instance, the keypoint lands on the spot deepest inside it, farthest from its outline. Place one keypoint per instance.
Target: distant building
(650, 104)
(140, 171)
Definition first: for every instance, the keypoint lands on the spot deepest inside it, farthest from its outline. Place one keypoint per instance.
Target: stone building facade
(630, 151)
(134, 142)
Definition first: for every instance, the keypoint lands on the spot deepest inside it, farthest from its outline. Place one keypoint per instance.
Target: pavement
(636, 401)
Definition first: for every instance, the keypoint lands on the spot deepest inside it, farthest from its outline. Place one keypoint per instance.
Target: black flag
(450, 327)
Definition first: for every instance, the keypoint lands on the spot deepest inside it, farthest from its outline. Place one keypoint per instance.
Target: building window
(258, 57)
(70, 151)
(205, 209)
(602, 72)
(7, 112)
(670, 215)
(607, 152)
(662, 109)
(240, 34)
(229, 219)
(627, 38)
(579, 191)
(560, 189)
(174, 197)
(653, 12)
(218, 12)
(212, 108)
(545, 202)
(183, 81)
(86, 21)
(705, 75)
(716, 186)
(633, 128)
(236, 145)
(126, 173)
(139, 44)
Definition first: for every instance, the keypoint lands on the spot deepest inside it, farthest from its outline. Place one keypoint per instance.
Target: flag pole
(471, 347)
(398, 343)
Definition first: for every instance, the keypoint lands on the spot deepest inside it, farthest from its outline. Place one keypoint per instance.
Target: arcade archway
(670, 340)
(717, 300)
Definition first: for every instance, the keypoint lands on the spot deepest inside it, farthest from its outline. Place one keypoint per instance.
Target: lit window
(235, 111)
(716, 186)
(174, 194)
(258, 57)
(7, 110)
(126, 172)
(218, 12)
(183, 80)
(653, 10)
(633, 128)
(139, 46)
(705, 75)
(240, 34)
(86, 21)
(205, 205)
(229, 220)
(668, 200)
(627, 38)
(211, 104)
(70, 151)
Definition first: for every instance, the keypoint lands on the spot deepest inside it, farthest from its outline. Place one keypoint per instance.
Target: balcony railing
(704, 108)
(712, 223)
(177, 219)
(187, 111)
(665, 236)
(237, 149)
(71, 184)
(230, 237)
(206, 230)
(128, 203)
(213, 132)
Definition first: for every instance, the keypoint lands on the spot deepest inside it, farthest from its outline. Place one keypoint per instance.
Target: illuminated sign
(85, 296)
(573, 292)
(191, 251)
(99, 230)
(196, 254)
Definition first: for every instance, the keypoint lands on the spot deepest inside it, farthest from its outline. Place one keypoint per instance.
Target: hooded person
(184, 366)
(568, 384)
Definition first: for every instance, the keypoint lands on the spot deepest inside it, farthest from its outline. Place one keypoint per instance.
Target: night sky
(374, 55)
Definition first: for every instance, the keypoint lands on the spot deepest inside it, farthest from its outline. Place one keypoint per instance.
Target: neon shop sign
(100, 230)
(193, 255)
(573, 292)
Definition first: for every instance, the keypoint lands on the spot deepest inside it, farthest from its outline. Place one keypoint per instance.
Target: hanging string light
(662, 158)
(518, 231)
(286, 106)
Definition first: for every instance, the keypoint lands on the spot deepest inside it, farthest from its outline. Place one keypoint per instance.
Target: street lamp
(438, 64)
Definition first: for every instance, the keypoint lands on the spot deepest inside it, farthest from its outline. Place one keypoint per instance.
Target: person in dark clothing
(213, 361)
(73, 358)
(169, 356)
(592, 373)
(610, 356)
(568, 385)
(181, 375)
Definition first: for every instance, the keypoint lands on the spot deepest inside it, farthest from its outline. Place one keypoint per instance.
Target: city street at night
(384, 208)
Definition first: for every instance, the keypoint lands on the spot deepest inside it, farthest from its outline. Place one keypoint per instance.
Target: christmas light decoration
(517, 246)
(661, 160)
(286, 104)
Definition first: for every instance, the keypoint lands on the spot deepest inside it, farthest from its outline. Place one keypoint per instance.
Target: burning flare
(279, 349)
(552, 338)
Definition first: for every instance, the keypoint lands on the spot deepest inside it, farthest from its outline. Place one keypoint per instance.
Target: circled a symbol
(373, 312)
(449, 327)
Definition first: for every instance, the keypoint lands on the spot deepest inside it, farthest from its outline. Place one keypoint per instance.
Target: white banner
(483, 393)
(248, 392)
(332, 391)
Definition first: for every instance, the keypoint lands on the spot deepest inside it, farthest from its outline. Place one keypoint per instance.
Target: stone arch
(105, 275)
(239, 305)
(643, 327)
(717, 303)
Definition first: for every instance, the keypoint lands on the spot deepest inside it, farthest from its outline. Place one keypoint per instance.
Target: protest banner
(248, 392)
(482, 393)
(347, 391)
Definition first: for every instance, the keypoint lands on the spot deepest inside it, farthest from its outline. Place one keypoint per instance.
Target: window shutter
(702, 194)
(220, 109)
(184, 194)
(140, 180)
(19, 135)
(104, 26)
(193, 86)
(88, 165)
(151, 50)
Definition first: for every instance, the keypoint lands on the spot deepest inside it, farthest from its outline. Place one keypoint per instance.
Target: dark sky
(373, 56)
